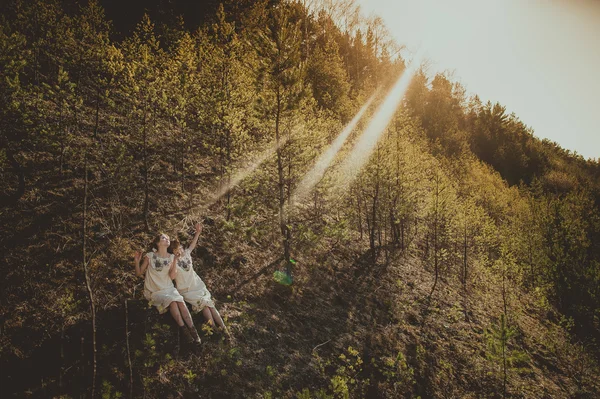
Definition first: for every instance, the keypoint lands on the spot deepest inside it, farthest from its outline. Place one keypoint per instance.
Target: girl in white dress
(159, 269)
(191, 286)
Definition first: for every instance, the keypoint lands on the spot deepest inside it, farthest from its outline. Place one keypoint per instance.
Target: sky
(539, 58)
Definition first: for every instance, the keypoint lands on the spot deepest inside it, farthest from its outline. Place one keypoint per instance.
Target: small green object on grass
(282, 278)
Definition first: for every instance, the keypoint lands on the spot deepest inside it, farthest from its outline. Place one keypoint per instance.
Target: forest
(446, 252)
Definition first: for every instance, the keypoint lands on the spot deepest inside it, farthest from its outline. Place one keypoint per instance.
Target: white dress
(158, 286)
(190, 285)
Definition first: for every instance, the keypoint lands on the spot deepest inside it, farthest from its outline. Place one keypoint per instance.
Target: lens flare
(242, 174)
(317, 171)
(368, 140)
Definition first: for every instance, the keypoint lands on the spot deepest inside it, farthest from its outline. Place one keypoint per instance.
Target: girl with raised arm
(159, 269)
(191, 286)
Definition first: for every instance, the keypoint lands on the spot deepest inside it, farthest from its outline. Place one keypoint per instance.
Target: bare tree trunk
(146, 184)
(504, 339)
(530, 255)
(183, 142)
(435, 235)
(128, 350)
(504, 369)
(87, 273)
(228, 160)
(62, 141)
(392, 219)
(383, 231)
(504, 294)
(228, 146)
(359, 218)
(465, 260)
(282, 211)
(221, 160)
(402, 245)
(373, 227)
(62, 354)
(465, 253)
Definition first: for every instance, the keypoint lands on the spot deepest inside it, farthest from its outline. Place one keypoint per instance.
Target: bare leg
(217, 317)
(180, 312)
(208, 316)
(185, 313)
(174, 309)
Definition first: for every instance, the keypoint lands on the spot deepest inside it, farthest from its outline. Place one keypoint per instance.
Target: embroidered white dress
(190, 285)
(158, 286)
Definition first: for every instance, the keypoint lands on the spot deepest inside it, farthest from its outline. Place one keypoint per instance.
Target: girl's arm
(173, 268)
(140, 270)
(195, 240)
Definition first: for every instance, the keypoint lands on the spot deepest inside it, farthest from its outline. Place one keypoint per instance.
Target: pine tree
(279, 49)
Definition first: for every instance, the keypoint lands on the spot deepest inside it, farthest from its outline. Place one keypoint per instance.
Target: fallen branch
(315, 348)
